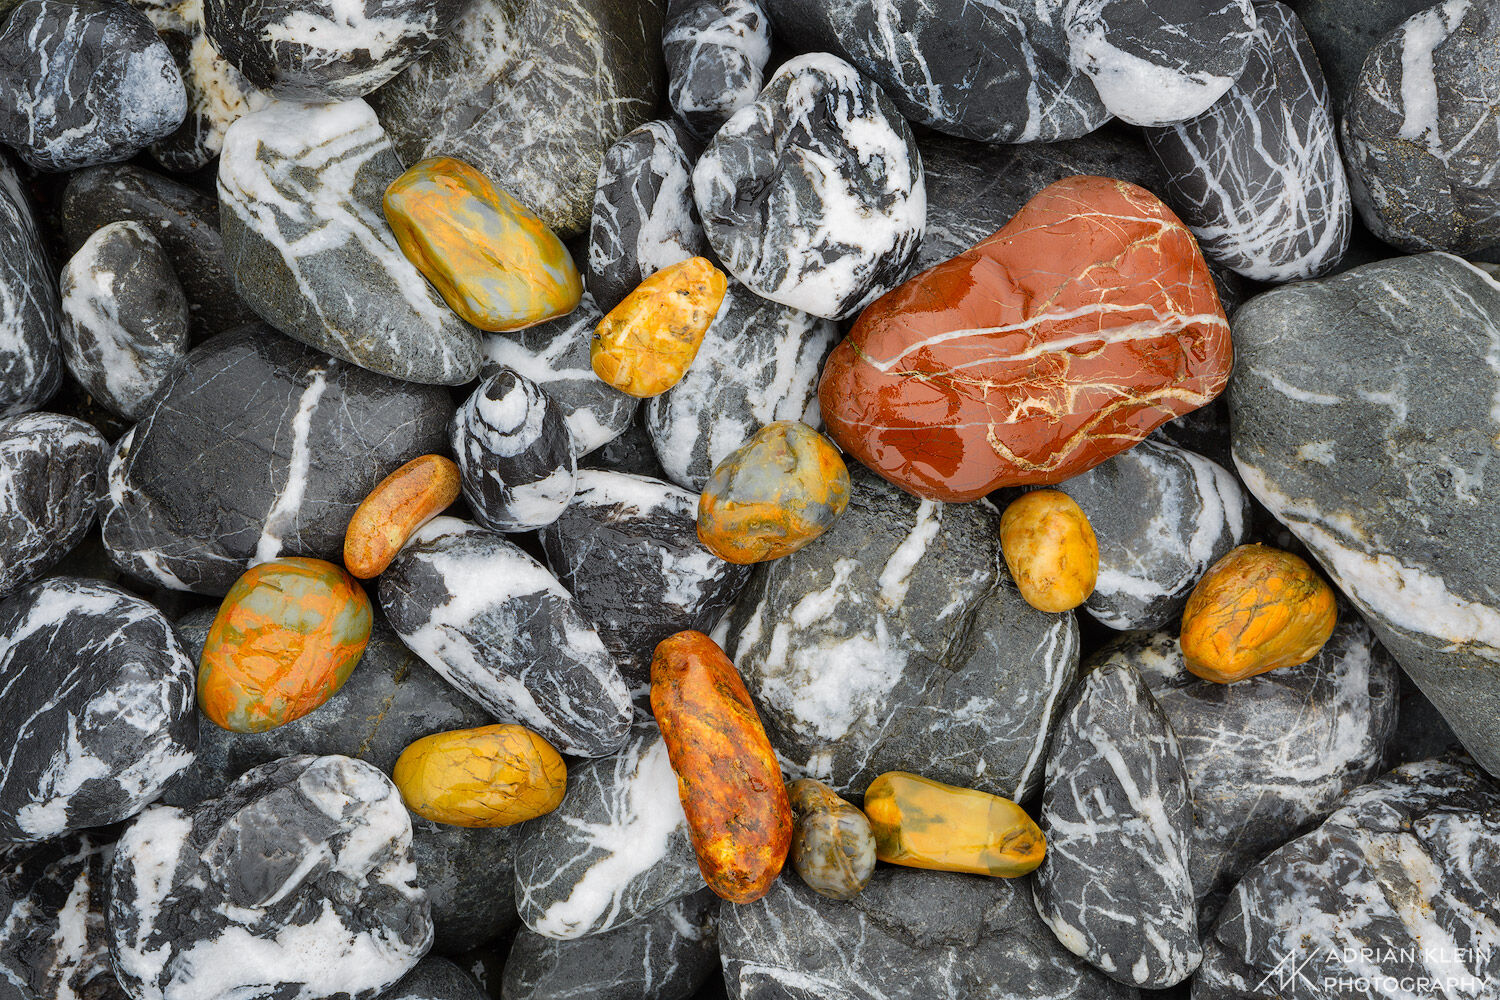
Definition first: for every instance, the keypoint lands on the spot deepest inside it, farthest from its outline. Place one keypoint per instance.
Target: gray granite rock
(759, 362)
(435, 979)
(1118, 816)
(664, 956)
(1162, 517)
(300, 190)
(1393, 896)
(50, 474)
(1422, 131)
(910, 933)
(514, 457)
(716, 53)
(533, 94)
(1271, 754)
(297, 883)
(30, 365)
(899, 642)
(1258, 177)
(187, 506)
(1377, 462)
(812, 195)
(467, 875)
(84, 82)
(124, 317)
(616, 849)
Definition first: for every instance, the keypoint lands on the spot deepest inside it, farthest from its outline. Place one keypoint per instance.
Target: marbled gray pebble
(628, 551)
(514, 457)
(125, 319)
(644, 217)
(1396, 887)
(1422, 131)
(296, 884)
(838, 204)
(555, 355)
(31, 366)
(910, 933)
(325, 50)
(759, 362)
(1378, 463)
(51, 468)
(300, 192)
(899, 642)
(616, 849)
(84, 82)
(97, 694)
(666, 955)
(716, 53)
(435, 978)
(1162, 517)
(188, 507)
(1118, 816)
(500, 628)
(1258, 177)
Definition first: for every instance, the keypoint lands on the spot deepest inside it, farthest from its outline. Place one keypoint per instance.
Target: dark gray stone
(50, 472)
(467, 875)
(899, 642)
(435, 979)
(1343, 32)
(1118, 816)
(1363, 419)
(630, 452)
(716, 53)
(514, 455)
(30, 365)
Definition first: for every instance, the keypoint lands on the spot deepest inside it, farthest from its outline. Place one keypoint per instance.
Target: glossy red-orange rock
(1063, 339)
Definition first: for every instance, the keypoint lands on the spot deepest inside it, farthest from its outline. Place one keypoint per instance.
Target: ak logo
(1289, 973)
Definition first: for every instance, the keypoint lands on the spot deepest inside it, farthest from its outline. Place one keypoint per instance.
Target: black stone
(435, 979)
(716, 53)
(30, 364)
(51, 469)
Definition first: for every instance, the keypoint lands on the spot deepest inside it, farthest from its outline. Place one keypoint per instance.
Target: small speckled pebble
(833, 849)
(646, 343)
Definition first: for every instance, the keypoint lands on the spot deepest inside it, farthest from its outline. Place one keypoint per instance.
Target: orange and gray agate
(285, 639)
(494, 262)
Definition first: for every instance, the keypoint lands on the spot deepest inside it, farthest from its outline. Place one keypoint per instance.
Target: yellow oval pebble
(1050, 550)
(921, 823)
(490, 776)
(646, 343)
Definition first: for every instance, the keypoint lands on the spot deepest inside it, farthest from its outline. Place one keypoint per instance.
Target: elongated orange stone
(490, 776)
(285, 639)
(494, 262)
(403, 501)
(921, 823)
(647, 342)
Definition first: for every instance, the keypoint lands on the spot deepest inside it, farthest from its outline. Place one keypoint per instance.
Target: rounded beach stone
(1050, 550)
(50, 475)
(644, 345)
(435, 978)
(833, 850)
(921, 823)
(403, 501)
(31, 366)
(716, 53)
(822, 238)
(490, 776)
(101, 696)
(515, 460)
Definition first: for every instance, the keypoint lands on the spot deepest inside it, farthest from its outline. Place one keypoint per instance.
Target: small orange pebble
(402, 502)
(1050, 550)
(647, 342)
(922, 823)
(490, 776)
(1256, 609)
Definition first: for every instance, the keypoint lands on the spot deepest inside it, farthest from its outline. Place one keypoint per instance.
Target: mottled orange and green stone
(287, 636)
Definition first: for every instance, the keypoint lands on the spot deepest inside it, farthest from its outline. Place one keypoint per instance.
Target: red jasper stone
(1065, 338)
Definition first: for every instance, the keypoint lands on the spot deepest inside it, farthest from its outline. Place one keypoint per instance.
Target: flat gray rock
(51, 469)
(31, 366)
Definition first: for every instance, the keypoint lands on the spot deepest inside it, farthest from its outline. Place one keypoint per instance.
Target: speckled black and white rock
(97, 695)
(716, 53)
(1378, 463)
(500, 628)
(615, 850)
(1162, 516)
(995, 71)
(1422, 131)
(838, 204)
(124, 317)
(665, 956)
(325, 50)
(1396, 887)
(759, 362)
(1258, 177)
(514, 457)
(628, 551)
(184, 221)
(188, 506)
(50, 475)
(1153, 63)
(30, 364)
(910, 933)
(84, 82)
(297, 883)
(644, 216)
(532, 95)
(1118, 816)
(1268, 755)
(555, 356)
(899, 642)
(300, 189)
